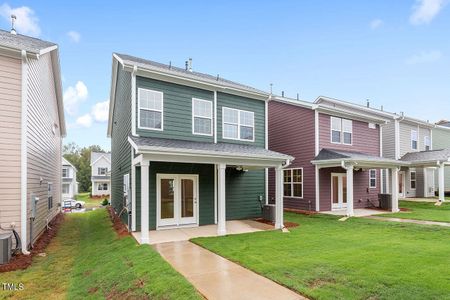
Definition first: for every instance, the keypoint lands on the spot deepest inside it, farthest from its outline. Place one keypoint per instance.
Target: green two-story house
(188, 149)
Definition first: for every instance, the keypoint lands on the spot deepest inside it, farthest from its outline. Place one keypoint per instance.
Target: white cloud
(424, 11)
(100, 111)
(26, 22)
(84, 121)
(74, 36)
(376, 23)
(424, 57)
(73, 96)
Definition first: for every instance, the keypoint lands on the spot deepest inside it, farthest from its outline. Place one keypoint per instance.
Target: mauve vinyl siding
(291, 131)
(364, 139)
(363, 196)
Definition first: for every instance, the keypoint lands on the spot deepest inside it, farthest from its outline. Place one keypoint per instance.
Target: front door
(177, 200)
(401, 184)
(338, 190)
(429, 182)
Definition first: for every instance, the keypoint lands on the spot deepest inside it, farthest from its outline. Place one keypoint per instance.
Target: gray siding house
(100, 174)
(188, 149)
(31, 130)
(441, 140)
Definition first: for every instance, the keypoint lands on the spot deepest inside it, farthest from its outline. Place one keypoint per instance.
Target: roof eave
(112, 93)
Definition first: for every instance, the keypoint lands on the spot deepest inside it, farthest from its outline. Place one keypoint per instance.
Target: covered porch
(439, 159)
(354, 164)
(222, 161)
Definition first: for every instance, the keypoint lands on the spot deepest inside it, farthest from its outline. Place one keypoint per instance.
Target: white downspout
(23, 157)
(266, 142)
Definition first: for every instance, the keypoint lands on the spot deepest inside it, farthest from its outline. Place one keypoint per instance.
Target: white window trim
(68, 172)
(411, 180)
(416, 140)
(210, 118)
(425, 139)
(102, 168)
(341, 132)
(238, 124)
(161, 111)
(68, 189)
(292, 183)
(370, 179)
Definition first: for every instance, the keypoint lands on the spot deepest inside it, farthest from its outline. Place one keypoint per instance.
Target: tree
(80, 158)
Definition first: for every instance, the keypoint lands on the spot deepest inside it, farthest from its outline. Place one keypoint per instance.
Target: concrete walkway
(420, 222)
(218, 278)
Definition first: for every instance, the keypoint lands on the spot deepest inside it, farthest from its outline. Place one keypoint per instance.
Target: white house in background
(100, 173)
(69, 180)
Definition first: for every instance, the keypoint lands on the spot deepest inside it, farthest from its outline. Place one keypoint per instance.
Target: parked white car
(71, 203)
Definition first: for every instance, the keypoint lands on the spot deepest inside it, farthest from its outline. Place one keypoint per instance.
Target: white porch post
(279, 223)
(145, 165)
(350, 191)
(133, 198)
(221, 215)
(394, 189)
(441, 182)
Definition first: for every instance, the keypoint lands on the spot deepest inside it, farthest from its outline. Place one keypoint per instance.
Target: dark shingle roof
(332, 154)
(209, 148)
(155, 66)
(23, 42)
(424, 156)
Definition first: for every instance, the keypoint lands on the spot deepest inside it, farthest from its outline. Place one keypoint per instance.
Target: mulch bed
(117, 223)
(21, 261)
(286, 224)
(404, 209)
(301, 211)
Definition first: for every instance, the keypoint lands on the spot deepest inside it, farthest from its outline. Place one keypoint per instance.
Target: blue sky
(395, 53)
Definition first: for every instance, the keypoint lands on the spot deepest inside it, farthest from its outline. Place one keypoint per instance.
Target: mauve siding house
(304, 131)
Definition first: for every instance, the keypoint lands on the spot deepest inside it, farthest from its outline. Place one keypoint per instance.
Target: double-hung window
(372, 178)
(341, 131)
(102, 171)
(238, 124)
(66, 188)
(150, 109)
(293, 183)
(413, 179)
(65, 172)
(202, 114)
(102, 186)
(414, 139)
(49, 195)
(427, 143)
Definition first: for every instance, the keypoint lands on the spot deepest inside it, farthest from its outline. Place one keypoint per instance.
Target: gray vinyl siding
(120, 147)
(10, 134)
(405, 137)
(389, 140)
(441, 140)
(43, 146)
(237, 102)
(177, 111)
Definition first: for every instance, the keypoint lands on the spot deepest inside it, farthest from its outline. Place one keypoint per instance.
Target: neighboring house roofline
(65, 162)
(102, 155)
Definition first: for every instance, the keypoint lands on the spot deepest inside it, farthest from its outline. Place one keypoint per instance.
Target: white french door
(401, 184)
(177, 200)
(338, 190)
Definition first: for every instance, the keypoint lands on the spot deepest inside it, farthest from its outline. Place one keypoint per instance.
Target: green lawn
(90, 202)
(356, 259)
(422, 211)
(88, 261)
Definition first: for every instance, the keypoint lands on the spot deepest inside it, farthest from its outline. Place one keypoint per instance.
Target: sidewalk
(218, 278)
(420, 222)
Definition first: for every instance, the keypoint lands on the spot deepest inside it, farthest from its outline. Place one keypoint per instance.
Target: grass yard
(356, 259)
(87, 260)
(422, 211)
(90, 202)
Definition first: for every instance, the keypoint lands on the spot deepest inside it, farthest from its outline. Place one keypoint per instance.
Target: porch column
(279, 223)
(441, 182)
(221, 215)
(145, 165)
(350, 191)
(133, 198)
(394, 189)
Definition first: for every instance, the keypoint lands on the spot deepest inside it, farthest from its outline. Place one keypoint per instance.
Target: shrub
(105, 202)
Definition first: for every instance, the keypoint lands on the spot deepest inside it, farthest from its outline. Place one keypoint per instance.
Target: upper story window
(238, 124)
(202, 113)
(414, 140)
(65, 172)
(341, 131)
(372, 178)
(150, 109)
(293, 183)
(102, 171)
(427, 143)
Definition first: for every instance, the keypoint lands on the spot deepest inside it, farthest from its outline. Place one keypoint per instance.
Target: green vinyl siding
(177, 110)
(441, 140)
(242, 191)
(242, 103)
(120, 148)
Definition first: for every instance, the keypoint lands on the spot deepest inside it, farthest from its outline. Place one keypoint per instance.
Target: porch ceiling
(158, 149)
